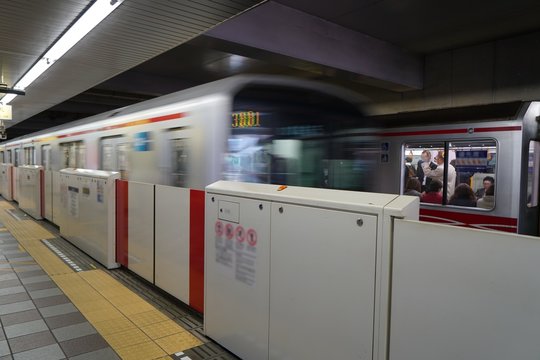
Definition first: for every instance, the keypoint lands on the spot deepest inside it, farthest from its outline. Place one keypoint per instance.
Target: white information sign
(5, 112)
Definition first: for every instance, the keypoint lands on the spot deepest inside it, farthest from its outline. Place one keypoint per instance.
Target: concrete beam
(275, 30)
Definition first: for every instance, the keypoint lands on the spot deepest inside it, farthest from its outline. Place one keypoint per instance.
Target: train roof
(228, 87)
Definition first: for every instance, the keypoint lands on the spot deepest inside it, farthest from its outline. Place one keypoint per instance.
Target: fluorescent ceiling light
(89, 20)
(7, 98)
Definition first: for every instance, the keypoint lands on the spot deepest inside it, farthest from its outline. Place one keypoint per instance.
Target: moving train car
(298, 132)
(495, 142)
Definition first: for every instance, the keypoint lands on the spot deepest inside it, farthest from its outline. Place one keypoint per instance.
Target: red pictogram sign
(229, 232)
(240, 233)
(252, 237)
(219, 228)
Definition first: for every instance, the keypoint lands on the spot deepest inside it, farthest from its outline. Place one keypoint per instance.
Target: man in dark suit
(487, 182)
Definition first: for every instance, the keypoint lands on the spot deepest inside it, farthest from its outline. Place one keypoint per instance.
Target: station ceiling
(150, 48)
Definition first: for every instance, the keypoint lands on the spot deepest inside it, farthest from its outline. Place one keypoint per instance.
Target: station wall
(494, 72)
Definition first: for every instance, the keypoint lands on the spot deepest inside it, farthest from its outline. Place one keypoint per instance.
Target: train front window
(287, 136)
(456, 173)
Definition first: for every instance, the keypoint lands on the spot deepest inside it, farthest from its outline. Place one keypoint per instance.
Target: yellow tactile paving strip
(131, 326)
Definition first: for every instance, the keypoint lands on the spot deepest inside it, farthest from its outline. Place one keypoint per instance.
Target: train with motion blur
(298, 132)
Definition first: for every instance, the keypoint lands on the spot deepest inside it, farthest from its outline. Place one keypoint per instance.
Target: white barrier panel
(172, 241)
(87, 212)
(31, 190)
(292, 273)
(6, 181)
(460, 293)
(16, 184)
(141, 229)
(48, 195)
(55, 197)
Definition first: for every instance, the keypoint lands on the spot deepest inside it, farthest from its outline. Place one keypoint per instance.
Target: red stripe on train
(477, 221)
(442, 131)
(452, 131)
(122, 222)
(196, 250)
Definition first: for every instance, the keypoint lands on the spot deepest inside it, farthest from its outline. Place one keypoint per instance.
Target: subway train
(272, 129)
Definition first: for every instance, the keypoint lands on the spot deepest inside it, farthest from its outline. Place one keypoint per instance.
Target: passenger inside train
(433, 194)
(463, 196)
(487, 182)
(488, 200)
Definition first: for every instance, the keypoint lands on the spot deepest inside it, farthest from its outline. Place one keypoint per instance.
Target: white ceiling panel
(136, 31)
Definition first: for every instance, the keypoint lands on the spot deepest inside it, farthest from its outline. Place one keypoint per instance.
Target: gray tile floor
(38, 321)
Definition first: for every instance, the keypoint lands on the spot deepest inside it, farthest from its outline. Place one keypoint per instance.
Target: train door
(114, 155)
(180, 150)
(29, 155)
(533, 182)
(16, 159)
(353, 165)
(46, 157)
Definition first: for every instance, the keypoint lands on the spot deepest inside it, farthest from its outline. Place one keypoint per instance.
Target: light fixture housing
(98, 11)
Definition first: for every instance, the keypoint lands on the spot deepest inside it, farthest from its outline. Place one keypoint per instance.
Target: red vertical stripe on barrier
(122, 222)
(196, 250)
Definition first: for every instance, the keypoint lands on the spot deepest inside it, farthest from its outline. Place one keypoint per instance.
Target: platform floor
(57, 303)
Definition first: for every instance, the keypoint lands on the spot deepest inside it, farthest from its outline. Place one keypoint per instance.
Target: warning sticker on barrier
(246, 258)
(224, 252)
(73, 201)
(245, 267)
(100, 191)
(224, 247)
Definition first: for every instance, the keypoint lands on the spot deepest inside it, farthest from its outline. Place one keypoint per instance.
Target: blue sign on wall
(142, 141)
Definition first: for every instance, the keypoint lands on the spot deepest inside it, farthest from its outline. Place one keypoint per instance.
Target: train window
(114, 154)
(424, 171)
(533, 173)
(46, 157)
(464, 169)
(475, 162)
(2, 157)
(107, 157)
(8, 157)
(73, 154)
